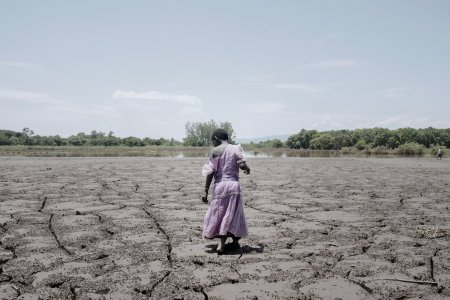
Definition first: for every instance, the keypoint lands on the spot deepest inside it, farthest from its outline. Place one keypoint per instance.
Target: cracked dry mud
(130, 228)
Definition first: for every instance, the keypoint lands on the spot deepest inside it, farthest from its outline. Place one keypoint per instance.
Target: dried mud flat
(130, 228)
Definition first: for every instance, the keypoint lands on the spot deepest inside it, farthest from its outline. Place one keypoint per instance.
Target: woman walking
(225, 215)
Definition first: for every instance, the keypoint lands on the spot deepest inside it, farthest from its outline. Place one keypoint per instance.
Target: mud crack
(361, 284)
(152, 288)
(179, 188)
(50, 226)
(110, 203)
(73, 293)
(43, 204)
(12, 249)
(432, 269)
(99, 217)
(201, 290)
(169, 242)
(4, 277)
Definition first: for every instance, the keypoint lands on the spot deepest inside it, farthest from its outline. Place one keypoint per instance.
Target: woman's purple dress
(225, 213)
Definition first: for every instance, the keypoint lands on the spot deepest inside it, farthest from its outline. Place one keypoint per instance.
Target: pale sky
(145, 68)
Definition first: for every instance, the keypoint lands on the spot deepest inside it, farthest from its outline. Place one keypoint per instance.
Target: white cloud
(19, 65)
(307, 88)
(26, 96)
(389, 122)
(334, 64)
(401, 121)
(394, 92)
(75, 110)
(158, 96)
(344, 83)
(257, 80)
(417, 121)
(50, 104)
(329, 37)
(266, 108)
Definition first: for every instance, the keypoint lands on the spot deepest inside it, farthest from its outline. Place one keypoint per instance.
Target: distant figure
(225, 215)
(439, 153)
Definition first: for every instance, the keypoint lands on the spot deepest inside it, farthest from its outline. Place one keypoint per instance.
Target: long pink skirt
(225, 213)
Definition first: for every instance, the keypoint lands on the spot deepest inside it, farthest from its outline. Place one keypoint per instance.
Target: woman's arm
(243, 166)
(207, 184)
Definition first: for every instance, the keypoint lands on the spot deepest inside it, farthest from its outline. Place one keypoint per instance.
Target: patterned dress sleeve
(208, 169)
(240, 154)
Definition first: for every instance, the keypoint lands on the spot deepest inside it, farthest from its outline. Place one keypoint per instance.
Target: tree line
(369, 138)
(95, 138)
(198, 134)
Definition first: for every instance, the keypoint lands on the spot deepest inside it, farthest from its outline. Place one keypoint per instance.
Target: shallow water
(175, 152)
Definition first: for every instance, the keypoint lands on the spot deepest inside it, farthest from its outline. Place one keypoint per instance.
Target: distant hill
(282, 138)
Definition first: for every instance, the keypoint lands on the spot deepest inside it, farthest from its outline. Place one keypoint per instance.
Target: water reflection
(175, 152)
(291, 153)
(249, 154)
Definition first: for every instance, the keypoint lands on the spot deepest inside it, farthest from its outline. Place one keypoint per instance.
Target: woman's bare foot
(221, 246)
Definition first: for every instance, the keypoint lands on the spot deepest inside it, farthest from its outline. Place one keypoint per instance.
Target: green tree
(4, 139)
(198, 134)
(302, 139)
(407, 135)
(132, 141)
(14, 141)
(25, 138)
(276, 143)
(361, 144)
(341, 139)
(393, 141)
(380, 136)
(323, 142)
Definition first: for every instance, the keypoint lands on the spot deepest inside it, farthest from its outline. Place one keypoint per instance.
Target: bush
(379, 150)
(323, 142)
(349, 150)
(276, 143)
(411, 149)
(132, 141)
(4, 139)
(361, 145)
(434, 149)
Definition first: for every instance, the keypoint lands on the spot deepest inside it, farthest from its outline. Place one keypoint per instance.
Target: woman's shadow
(235, 249)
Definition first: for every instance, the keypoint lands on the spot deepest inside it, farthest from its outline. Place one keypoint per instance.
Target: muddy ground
(130, 228)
